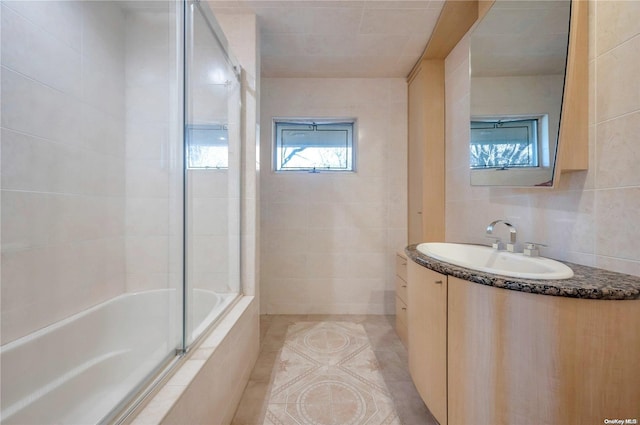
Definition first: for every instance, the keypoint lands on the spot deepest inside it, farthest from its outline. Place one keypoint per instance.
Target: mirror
(518, 56)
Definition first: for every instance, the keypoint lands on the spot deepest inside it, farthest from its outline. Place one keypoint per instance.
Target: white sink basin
(486, 259)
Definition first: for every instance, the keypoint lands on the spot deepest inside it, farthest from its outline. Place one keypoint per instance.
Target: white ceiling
(344, 38)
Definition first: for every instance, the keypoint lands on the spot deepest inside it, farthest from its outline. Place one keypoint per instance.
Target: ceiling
(366, 38)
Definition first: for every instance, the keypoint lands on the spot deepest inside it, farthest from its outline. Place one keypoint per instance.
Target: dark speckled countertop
(587, 282)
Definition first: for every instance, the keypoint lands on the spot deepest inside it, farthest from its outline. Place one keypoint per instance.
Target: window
(208, 146)
(504, 144)
(322, 145)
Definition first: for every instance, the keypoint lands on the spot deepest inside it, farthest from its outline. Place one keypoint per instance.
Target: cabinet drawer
(401, 310)
(401, 321)
(401, 267)
(401, 289)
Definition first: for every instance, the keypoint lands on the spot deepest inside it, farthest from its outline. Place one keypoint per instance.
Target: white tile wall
(45, 118)
(591, 218)
(329, 240)
(58, 64)
(63, 160)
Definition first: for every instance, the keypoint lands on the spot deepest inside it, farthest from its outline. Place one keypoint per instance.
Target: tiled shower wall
(328, 239)
(63, 166)
(592, 217)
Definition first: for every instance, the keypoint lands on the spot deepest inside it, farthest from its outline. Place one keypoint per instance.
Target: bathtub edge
(175, 400)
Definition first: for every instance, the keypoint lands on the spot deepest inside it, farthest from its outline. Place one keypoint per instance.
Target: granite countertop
(587, 282)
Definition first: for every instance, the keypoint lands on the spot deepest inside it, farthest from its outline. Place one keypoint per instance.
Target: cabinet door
(417, 131)
(427, 330)
(426, 153)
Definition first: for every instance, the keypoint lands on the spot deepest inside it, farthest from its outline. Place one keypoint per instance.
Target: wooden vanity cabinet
(529, 359)
(427, 329)
(487, 355)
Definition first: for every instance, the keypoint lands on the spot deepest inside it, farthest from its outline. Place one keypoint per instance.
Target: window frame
(535, 137)
(276, 142)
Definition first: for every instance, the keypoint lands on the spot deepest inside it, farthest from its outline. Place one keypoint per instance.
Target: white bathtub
(206, 306)
(75, 371)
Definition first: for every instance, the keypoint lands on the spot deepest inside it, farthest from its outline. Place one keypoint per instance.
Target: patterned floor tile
(329, 375)
(331, 370)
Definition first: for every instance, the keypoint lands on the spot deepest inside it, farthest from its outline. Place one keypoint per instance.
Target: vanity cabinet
(483, 354)
(401, 297)
(427, 326)
(522, 358)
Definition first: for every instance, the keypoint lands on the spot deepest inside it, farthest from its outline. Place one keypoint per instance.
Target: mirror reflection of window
(504, 144)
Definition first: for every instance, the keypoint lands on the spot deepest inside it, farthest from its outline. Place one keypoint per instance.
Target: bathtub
(206, 306)
(75, 371)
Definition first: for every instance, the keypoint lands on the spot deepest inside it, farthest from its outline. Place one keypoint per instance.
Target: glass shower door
(212, 174)
(92, 200)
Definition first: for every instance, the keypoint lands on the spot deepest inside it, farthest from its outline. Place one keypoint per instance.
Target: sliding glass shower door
(92, 204)
(212, 174)
(120, 198)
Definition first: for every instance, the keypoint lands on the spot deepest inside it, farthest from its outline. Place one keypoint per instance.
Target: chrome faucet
(512, 235)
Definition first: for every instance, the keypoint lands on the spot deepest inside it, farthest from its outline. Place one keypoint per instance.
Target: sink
(486, 259)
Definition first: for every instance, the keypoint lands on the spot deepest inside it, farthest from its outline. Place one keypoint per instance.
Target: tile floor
(331, 370)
